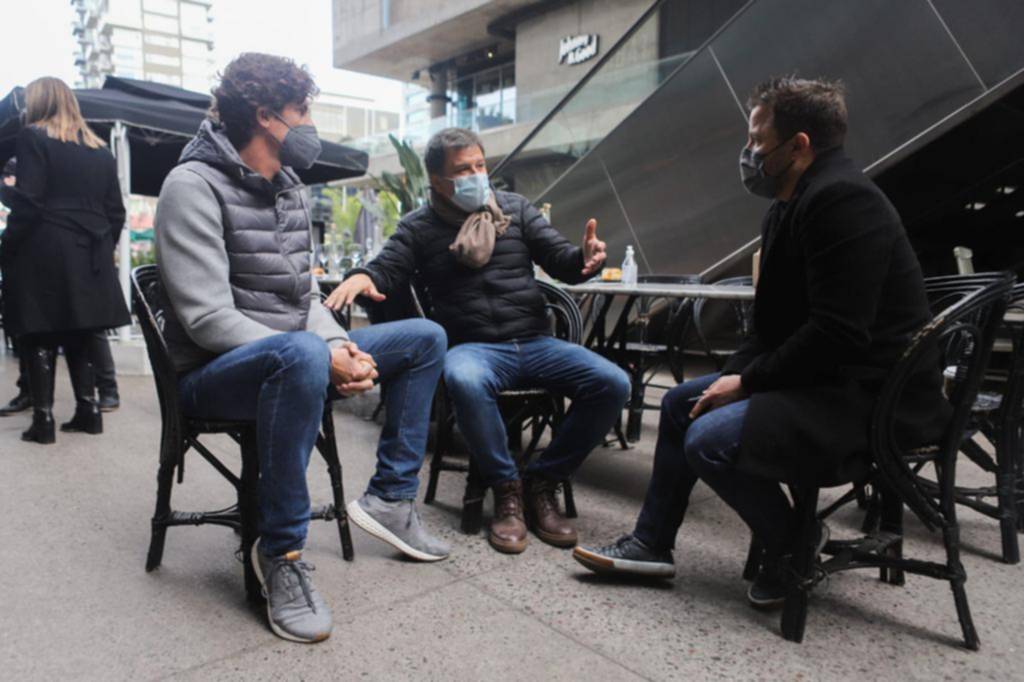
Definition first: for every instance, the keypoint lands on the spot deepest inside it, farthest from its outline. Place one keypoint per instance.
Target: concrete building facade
(164, 41)
(495, 66)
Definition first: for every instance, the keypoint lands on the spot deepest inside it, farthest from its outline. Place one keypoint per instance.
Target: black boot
(23, 400)
(87, 417)
(40, 368)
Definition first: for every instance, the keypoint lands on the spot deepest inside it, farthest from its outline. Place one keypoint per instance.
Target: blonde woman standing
(60, 283)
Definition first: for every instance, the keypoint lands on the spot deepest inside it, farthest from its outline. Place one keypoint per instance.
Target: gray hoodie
(234, 281)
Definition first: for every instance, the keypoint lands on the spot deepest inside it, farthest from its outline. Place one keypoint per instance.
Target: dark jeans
(707, 448)
(475, 373)
(282, 382)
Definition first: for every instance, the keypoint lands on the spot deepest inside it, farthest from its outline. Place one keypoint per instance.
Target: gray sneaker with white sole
(398, 524)
(295, 610)
(627, 556)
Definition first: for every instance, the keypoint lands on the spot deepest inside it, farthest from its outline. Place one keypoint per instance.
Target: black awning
(161, 119)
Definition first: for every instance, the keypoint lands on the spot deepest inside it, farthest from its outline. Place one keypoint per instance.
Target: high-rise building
(165, 41)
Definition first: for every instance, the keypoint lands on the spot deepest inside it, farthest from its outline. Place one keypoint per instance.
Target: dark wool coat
(58, 248)
(839, 297)
(497, 302)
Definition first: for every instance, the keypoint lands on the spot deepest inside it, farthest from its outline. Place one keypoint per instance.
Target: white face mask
(471, 191)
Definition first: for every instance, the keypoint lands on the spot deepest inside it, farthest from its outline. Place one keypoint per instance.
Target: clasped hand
(352, 370)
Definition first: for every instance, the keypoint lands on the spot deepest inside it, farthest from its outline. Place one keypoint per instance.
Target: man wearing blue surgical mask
(473, 250)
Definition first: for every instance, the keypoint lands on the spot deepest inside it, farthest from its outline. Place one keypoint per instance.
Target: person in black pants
(839, 297)
(66, 215)
(106, 374)
(22, 401)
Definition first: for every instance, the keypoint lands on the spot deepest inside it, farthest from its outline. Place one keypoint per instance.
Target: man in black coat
(839, 297)
(473, 250)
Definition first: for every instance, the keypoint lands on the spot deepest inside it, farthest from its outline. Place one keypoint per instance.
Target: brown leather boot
(508, 530)
(543, 516)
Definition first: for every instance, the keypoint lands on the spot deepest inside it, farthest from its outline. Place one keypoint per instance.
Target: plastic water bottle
(629, 271)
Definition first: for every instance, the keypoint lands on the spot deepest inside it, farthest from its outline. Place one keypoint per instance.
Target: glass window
(355, 122)
(125, 37)
(168, 7)
(163, 59)
(193, 20)
(155, 22)
(194, 48)
(162, 40)
(125, 12)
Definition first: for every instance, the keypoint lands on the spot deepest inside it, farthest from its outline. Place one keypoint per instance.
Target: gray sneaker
(398, 524)
(295, 609)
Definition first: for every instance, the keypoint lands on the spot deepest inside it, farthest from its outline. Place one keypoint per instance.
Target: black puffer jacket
(498, 302)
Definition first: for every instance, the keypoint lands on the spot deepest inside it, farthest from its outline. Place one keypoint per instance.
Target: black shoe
(41, 430)
(109, 402)
(771, 586)
(19, 403)
(87, 419)
(627, 556)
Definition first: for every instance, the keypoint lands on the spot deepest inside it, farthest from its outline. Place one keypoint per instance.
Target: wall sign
(577, 49)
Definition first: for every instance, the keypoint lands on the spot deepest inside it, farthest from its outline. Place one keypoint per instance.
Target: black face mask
(300, 147)
(752, 173)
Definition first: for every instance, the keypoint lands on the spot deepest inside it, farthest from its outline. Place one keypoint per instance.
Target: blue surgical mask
(471, 191)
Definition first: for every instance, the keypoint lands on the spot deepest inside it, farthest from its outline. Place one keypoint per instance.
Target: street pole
(122, 153)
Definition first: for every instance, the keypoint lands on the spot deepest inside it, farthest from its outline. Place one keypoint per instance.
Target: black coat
(497, 302)
(839, 297)
(66, 216)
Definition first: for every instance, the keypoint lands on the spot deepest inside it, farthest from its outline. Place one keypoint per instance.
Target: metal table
(605, 344)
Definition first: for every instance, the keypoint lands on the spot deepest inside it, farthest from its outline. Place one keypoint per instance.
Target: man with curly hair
(251, 340)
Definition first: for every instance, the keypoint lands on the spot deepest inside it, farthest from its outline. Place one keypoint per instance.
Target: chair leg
(444, 434)
(753, 563)
(570, 499)
(1006, 483)
(874, 512)
(473, 502)
(329, 451)
(164, 483)
(891, 521)
(794, 614)
(249, 511)
(635, 414)
(951, 538)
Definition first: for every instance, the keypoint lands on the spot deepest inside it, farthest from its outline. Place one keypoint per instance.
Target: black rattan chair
(997, 414)
(533, 410)
(180, 433)
(969, 326)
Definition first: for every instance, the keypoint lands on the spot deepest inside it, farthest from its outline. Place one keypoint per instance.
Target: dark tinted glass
(991, 33)
(901, 68)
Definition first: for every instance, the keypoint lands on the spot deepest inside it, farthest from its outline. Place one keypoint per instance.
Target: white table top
(734, 292)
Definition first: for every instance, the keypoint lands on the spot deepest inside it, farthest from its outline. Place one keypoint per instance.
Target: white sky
(36, 40)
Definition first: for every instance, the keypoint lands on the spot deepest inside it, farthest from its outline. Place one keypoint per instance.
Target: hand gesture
(346, 292)
(593, 250)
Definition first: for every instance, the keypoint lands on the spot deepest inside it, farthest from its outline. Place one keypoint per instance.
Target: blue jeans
(282, 382)
(707, 448)
(474, 374)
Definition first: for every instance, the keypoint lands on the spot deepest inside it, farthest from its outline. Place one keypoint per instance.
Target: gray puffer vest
(266, 236)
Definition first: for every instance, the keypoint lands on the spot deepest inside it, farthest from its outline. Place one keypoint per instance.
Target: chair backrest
(147, 302)
(967, 327)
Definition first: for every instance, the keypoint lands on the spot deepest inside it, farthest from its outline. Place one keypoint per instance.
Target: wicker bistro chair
(969, 327)
(997, 414)
(180, 433)
(529, 409)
